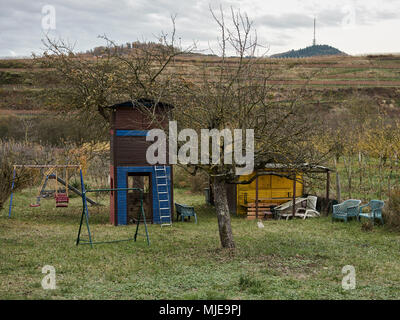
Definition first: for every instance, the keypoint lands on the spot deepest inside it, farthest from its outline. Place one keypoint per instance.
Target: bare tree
(89, 84)
(238, 95)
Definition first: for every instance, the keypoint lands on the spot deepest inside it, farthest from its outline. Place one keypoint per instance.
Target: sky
(353, 26)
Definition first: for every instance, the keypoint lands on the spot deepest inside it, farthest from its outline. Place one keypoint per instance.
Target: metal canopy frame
(85, 215)
(291, 174)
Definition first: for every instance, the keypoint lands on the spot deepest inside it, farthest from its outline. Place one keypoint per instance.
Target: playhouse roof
(303, 167)
(148, 103)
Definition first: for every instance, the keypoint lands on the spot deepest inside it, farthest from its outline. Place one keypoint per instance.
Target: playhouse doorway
(142, 181)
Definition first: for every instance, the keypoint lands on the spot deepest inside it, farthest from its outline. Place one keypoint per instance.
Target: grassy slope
(21, 85)
(285, 260)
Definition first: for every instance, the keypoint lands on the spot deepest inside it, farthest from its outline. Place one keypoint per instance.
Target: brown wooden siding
(131, 150)
(134, 119)
(231, 196)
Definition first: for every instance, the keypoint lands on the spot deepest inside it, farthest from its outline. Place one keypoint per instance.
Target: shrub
(367, 226)
(6, 177)
(391, 213)
(183, 179)
(22, 153)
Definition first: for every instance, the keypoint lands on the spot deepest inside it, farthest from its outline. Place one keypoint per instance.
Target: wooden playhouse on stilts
(130, 122)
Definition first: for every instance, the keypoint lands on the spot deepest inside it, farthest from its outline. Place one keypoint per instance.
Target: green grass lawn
(285, 260)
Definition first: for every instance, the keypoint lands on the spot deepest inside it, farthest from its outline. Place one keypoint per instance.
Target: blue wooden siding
(131, 133)
(122, 173)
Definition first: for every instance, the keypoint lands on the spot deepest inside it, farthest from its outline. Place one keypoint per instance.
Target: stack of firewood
(264, 211)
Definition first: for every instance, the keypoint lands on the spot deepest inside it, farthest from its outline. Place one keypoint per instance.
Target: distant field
(21, 82)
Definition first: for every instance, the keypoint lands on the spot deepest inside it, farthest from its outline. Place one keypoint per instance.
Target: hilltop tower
(314, 41)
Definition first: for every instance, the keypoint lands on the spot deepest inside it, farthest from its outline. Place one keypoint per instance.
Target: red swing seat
(61, 200)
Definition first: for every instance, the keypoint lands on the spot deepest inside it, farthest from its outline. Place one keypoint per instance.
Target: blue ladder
(164, 204)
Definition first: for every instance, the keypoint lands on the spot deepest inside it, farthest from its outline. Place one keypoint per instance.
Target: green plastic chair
(346, 209)
(375, 210)
(185, 211)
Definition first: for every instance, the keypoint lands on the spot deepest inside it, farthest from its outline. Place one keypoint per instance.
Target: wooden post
(294, 196)
(211, 192)
(327, 192)
(257, 197)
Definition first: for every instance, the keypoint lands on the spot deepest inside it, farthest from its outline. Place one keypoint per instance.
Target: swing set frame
(50, 167)
(85, 216)
(85, 210)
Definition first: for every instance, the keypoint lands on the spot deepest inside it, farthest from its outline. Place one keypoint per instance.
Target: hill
(22, 82)
(311, 51)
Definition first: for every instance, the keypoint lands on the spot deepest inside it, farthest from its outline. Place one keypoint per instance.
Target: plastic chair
(375, 210)
(346, 209)
(310, 210)
(185, 211)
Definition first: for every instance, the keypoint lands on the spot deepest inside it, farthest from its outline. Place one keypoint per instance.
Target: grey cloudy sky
(353, 26)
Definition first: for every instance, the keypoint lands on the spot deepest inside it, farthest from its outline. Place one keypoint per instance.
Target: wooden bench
(185, 211)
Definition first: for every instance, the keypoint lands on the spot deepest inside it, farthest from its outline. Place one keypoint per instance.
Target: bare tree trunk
(380, 176)
(360, 167)
(349, 174)
(338, 188)
(224, 219)
(390, 179)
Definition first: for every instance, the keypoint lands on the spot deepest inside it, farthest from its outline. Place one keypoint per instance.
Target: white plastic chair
(310, 210)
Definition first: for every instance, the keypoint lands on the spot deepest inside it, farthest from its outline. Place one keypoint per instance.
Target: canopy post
(257, 197)
(327, 192)
(294, 196)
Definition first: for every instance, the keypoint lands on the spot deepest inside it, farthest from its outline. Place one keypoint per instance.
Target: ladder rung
(164, 208)
(161, 177)
(162, 185)
(162, 192)
(165, 217)
(164, 200)
(160, 169)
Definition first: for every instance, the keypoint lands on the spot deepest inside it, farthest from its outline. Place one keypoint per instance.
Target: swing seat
(61, 200)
